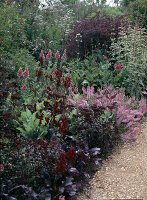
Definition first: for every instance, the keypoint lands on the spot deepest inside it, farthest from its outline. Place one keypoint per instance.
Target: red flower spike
(57, 55)
(49, 55)
(26, 73)
(20, 72)
(64, 56)
(41, 61)
(24, 87)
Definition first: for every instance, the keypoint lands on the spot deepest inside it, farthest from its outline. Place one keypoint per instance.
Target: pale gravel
(123, 175)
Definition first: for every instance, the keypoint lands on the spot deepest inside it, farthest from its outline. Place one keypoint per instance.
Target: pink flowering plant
(51, 59)
(127, 112)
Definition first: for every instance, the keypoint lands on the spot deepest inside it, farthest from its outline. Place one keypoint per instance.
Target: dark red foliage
(41, 61)
(62, 165)
(67, 81)
(94, 32)
(51, 77)
(39, 73)
(71, 156)
(63, 125)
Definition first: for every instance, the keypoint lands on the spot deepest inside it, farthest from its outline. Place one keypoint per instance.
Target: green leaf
(76, 97)
(21, 130)
(23, 115)
(28, 112)
(85, 82)
(74, 112)
(43, 122)
(36, 123)
(28, 129)
(57, 117)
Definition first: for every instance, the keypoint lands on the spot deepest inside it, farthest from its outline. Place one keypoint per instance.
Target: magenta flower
(113, 50)
(42, 55)
(79, 6)
(64, 67)
(64, 56)
(144, 92)
(49, 55)
(105, 58)
(20, 72)
(2, 167)
(94, 63)
(24, 87)
(75, 4)
(57, 55)
(61, 197)
(82, 103)
(26, 73)
(118, 66)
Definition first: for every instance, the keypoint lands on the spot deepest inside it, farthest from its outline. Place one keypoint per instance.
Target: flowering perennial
(20, 72)
(118, 66)
(113, 101)
(26, 73)
(57, 55)
(105, 58)
(49, 55)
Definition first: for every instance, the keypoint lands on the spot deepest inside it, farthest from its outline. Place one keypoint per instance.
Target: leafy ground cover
(59, 114)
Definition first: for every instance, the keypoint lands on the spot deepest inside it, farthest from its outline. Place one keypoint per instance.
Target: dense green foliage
(12, 35)
(137, 10)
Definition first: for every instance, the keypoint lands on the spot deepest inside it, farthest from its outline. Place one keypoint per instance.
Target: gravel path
(123, 175)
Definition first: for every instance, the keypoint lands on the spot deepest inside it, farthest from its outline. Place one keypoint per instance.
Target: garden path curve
(123, 175)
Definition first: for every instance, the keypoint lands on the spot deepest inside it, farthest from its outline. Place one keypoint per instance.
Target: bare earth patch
(123, 175)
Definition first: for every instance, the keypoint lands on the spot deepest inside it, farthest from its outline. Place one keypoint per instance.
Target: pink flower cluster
(49, 56)
(64, 56)
(25, 74)
(61, 197)
(1, 167)
(57, 55)
(113, 101)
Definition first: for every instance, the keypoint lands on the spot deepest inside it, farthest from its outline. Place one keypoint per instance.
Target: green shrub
(113, 12)
(12, 34)
(131, 50)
